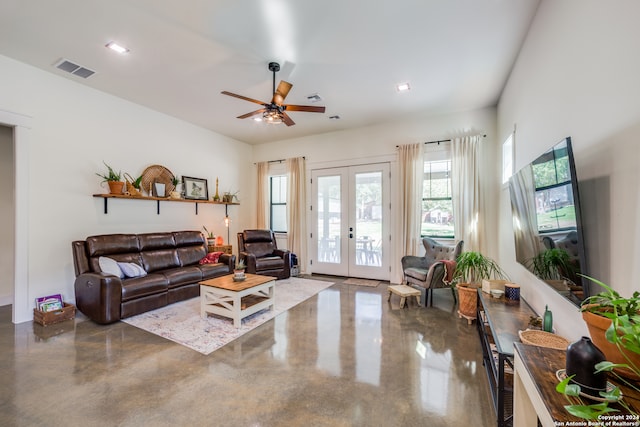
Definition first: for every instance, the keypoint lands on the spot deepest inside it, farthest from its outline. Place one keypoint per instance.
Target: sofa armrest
(229, 260)
(286, 256)
(98, 296)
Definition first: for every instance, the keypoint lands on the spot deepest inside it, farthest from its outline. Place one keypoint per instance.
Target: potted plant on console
(614, 326)
(471, 268)
(113, 179)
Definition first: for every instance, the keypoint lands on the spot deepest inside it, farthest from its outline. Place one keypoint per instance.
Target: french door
(350, 217)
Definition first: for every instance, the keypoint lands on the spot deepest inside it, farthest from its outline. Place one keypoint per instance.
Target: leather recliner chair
(261, 255)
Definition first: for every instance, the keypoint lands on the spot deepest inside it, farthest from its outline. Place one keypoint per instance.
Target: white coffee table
(236, 300)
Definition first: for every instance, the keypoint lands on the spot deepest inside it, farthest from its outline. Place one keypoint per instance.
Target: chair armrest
(98, 296)
(412, 261)
(249, 261)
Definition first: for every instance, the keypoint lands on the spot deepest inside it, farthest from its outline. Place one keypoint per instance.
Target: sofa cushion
(182, 275)
(111, 244)
(191, 255)
(110, 266)
(210, 271)
(416, 273)
(269, 263)
(160, 259)
(152, 241)
(188, 238)
(142, 286)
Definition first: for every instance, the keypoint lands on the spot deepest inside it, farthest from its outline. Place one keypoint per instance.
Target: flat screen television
(547, 222)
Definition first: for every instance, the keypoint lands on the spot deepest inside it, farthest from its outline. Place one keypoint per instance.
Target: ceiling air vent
(75, 69)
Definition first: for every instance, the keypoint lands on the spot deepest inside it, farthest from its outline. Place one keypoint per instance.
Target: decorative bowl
(497, 293)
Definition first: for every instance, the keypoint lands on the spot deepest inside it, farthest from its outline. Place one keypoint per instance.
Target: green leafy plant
(111, 174)
(552, 264)
(240, 265)
(175, 181)
(210, 234)
(472, 267)
(624, 332)
(137, 182)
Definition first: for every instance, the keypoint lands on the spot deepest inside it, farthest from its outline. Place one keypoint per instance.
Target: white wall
(6, 215)
(378, 143)
(577, 75)
(75, 128)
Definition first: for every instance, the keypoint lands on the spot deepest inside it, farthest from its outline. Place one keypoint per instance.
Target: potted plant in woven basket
(614, 326)
(471, 268)
(113, 179)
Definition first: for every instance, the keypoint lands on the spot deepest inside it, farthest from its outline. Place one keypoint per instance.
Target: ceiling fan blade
(224, 92)
(281, 92)
(253, 113)
(307, 108)
(286, 119)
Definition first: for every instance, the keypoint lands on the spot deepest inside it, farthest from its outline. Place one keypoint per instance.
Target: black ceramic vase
(582, 357)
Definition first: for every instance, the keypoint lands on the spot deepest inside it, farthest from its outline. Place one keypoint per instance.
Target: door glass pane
(329, 214)
(368, 232)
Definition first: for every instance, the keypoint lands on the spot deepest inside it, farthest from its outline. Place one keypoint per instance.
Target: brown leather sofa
(170, 259)
(259, 250)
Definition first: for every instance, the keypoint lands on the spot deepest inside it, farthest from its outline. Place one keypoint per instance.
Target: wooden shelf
(106, 197)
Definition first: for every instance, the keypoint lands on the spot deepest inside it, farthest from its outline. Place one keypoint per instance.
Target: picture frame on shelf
(195, 188)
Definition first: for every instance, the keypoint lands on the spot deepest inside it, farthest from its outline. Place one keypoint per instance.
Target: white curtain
(296, 215)
(411, 162)
(465, 180)
(525, 227)
(262, 197)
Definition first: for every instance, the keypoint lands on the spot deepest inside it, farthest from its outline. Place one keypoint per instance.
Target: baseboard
(6, 300)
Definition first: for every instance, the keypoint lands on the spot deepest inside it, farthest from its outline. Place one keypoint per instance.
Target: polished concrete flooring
(345, 357)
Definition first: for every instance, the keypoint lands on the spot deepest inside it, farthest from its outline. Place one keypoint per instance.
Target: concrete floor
(345, 357)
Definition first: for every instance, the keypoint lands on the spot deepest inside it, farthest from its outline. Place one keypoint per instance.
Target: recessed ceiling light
(403, 87)
(336, 117)
(116, 47)
(314, 98)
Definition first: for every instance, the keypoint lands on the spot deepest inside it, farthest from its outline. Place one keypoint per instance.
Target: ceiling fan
(275, 111)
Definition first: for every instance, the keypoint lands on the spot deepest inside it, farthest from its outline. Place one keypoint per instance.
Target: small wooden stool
(403, 291)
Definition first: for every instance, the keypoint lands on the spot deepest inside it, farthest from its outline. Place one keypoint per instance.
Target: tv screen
(547, 224)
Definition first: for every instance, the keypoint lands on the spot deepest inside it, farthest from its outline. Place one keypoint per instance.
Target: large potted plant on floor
(471, 268)
(614, 326)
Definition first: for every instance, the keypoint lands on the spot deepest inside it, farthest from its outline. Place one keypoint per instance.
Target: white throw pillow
(110, 266)
(131, 269)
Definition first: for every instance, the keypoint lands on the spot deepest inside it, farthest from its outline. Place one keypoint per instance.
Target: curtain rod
(439, 141)
(279, 160)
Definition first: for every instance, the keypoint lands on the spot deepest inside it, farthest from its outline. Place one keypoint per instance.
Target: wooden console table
(499, 321)
(536, 401)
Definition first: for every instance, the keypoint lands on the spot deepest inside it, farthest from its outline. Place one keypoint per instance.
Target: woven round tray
(157, 173)
(543, 339)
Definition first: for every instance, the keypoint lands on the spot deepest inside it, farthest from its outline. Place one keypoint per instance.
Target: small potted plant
(211, 238)
(133, 185)
(175, 193)
(113, 179)
(471, 268)
(238, 270)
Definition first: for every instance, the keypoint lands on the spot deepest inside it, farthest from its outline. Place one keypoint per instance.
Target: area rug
(362, 282)
(181, 322)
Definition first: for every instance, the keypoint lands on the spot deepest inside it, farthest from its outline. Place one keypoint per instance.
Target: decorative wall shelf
(106, 197)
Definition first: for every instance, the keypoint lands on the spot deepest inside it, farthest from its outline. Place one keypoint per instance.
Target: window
(278, 203)
(555, 207)
(437, 206)
(507, 159)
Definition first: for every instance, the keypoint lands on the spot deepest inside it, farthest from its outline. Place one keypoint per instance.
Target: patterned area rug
(362, 282)
(181, 322)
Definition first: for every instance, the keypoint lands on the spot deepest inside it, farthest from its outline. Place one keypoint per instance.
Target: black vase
(582, 357)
